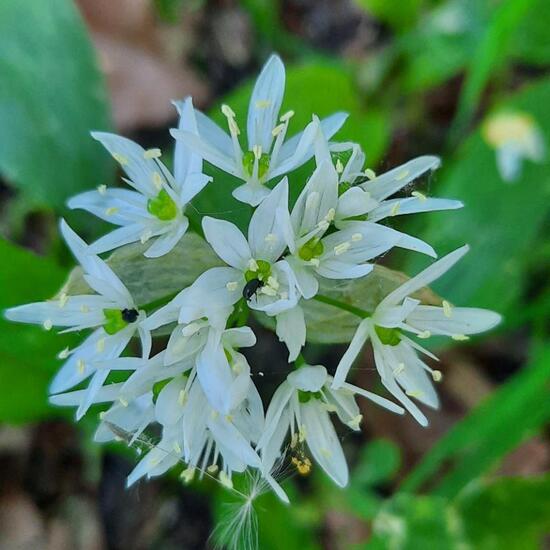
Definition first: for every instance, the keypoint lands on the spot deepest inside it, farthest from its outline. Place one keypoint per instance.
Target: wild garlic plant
(197, 385)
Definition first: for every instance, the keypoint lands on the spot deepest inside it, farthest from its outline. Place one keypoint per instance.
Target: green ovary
(162, 206)
(305, 396)
(263, 164)
(263, 272)
(312, 249)
(113, 321)
(388, 336)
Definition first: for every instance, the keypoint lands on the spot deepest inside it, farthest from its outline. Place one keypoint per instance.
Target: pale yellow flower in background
(515, 136)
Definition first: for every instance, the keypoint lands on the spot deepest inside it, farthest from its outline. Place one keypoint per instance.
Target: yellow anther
(460, 337)
(102, 189)
(252, 265)
(402, 175)
(399, 369)
(395, 209)
(228, 111)
(233, 127)
(287, 116)
(447, 309)
(315, 262)
(63, 354)
(268, 290)
(330, 214)
(84, 308)
(339, 166)
(121, 159)
(369, 173)
(100, 345)
(303, 465)
(156, 178)
(417, 394)
(271, 238)
(111, 211)
(188, 474)
(273, 282)
(356, 237)
(214, 415)
(327, 453)
(81, 366)
(420, 196)
(152, 154)
(277, 130)
(354, 422)
(102, 415)
(294, 440)
(232, 286)
(145, 236)
(424, 334)
(341, 248)
(225, 480)
(63, 299)
(302, 434)
(123, 401)
(257, 150)
(212, 469)
(437, 375)
(154, 460)
(176, 448)
(47, 324)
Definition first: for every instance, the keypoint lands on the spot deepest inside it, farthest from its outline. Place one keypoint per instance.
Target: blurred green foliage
(51, 95)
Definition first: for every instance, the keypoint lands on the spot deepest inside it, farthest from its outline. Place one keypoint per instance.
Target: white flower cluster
(199, 388)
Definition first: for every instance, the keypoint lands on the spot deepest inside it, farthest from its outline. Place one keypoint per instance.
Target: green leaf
(399, 15)
(327, 324)
(516, 411)
(378, 462)
(530, 43)
(51, 96)
(152, 279)
(319, 88)
(500, 220)
(511, 513)
(488, 57)
(27, 353)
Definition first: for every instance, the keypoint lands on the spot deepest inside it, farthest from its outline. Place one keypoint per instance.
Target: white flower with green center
(403, 373)
(302, 404)
(156, 208)
(268, 155)
(111, 312)
(514, 136)
(365, 195)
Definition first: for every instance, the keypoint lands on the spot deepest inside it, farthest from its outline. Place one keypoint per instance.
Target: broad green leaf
(319, 88)
(412, 522)
(530, 43)
(378, 462)
(327, 324)
(51, 96)
(399, 15)
(500, 221)
(488, 57)
(27, 353)
(476, 444)
(511, 513)
(151, 279)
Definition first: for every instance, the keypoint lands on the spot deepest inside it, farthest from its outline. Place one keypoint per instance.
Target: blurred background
(468, 80)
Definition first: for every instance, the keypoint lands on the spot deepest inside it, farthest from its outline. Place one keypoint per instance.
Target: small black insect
(130, 315)
(251, 288)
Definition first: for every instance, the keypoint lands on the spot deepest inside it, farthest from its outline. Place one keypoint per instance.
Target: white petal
(291, 329)
(265, 103)
(269, 226)
(379, 400)
(72, 399)
(323, 442)
(165, 243)
(308, 378)
(305, 279)
(211, 133)
(411, 205)
(329, 126)
(462, 320)
(227, 241)
(357, 342)
(140, 170)
(119, 237)
(354, 202)
(240, 337)
(389, 183)
(319, 196)
(170, 407)
(338, 269)
(509, 161)
(277, 405)
(424, 278)
(251, 193)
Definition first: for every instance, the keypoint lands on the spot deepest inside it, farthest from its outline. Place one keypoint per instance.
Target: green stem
(157, 303)
(342, 305)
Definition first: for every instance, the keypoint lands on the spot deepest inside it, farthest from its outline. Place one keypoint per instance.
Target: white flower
(268, 155)
(156, 207)
(259, 275)
(403, 373)
(302, 404)
(514, 136)
(111, 312)
(362, 193)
